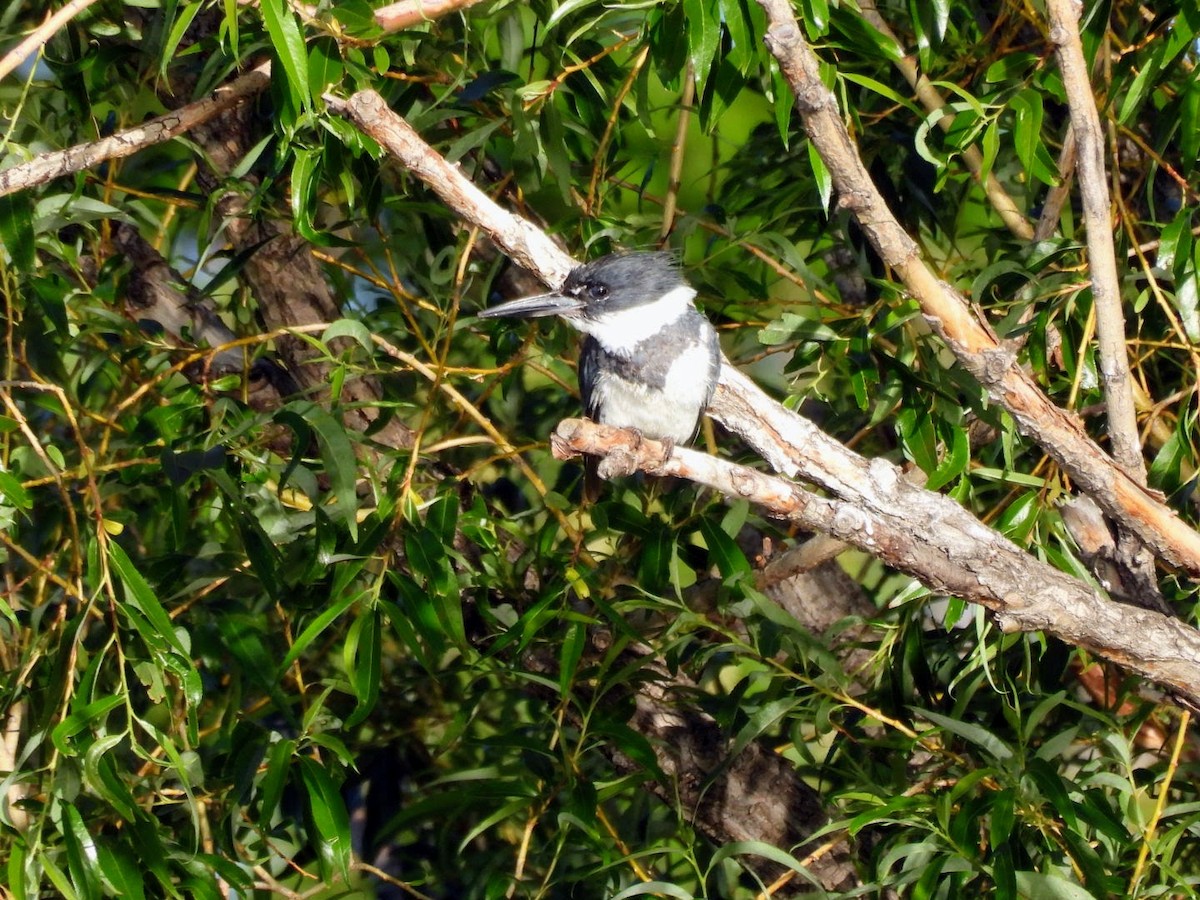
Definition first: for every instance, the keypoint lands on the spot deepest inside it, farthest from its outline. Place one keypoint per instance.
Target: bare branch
(919, 532)
(1122, 496)
(1057, 196)
(1115, 379)
(48, 166)
(398, 16)
(527, 244)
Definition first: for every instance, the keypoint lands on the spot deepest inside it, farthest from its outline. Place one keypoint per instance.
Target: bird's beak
(553, 304)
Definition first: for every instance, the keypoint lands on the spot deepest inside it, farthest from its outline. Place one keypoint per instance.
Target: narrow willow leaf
(329, 817)
(288, 44)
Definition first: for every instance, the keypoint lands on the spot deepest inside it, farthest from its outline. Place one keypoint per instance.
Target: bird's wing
(714, 362)
(589, 368)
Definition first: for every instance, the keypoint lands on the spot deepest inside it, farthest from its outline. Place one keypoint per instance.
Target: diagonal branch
(1122, 496)
(38, 37)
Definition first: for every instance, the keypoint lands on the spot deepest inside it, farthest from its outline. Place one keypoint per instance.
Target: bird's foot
(623, 460)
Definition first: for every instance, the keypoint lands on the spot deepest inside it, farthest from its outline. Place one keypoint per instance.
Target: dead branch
(915, 531)
(523, 241)
(1116, 381)
(38, 37)
(406, 14)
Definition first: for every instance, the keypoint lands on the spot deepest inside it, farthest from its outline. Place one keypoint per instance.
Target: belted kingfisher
(649, 360)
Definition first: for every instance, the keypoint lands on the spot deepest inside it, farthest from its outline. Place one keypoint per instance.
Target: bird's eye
(598, 291)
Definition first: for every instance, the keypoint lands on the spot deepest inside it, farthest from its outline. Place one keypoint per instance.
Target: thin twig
(933, 101)
(1160, 803)
(677, 150)
(38, 37)
(1058, 195)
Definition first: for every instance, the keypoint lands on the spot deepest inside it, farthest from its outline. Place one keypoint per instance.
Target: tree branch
(523, 241)
(38, 37)
(48, 166)
(1102, 260)
(1120, 495)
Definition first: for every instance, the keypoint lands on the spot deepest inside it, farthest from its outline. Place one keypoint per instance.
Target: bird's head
(620, 289)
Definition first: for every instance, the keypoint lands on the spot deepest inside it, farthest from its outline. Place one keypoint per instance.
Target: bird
(649, 359)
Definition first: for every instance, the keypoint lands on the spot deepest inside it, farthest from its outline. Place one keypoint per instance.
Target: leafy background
(256, 649)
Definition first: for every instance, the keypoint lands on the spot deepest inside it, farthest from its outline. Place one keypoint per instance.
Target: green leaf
(119, 870)
(229, 26)
(761, 719)
(442, 519)
(279, 760)
(341, 465)
(140, 596)
(571, 653)
(101, 774)
(363, 657)
(1019, 519)
(354, 329)
(81, 854)
(314, 629)
(1027, 137)
(704, 36)
(974, 734)
(286, 40)
(329, 817)
(1053, 789)
(428, 559)
(723, 551)
(14, 492)
(16, 231)
(306, 177)
(1048, 886)
(657, 889)
(81, 720)
(325, 65)
(178, 30)
(954, 461)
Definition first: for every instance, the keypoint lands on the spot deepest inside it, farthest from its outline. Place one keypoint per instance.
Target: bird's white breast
(671, 412)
